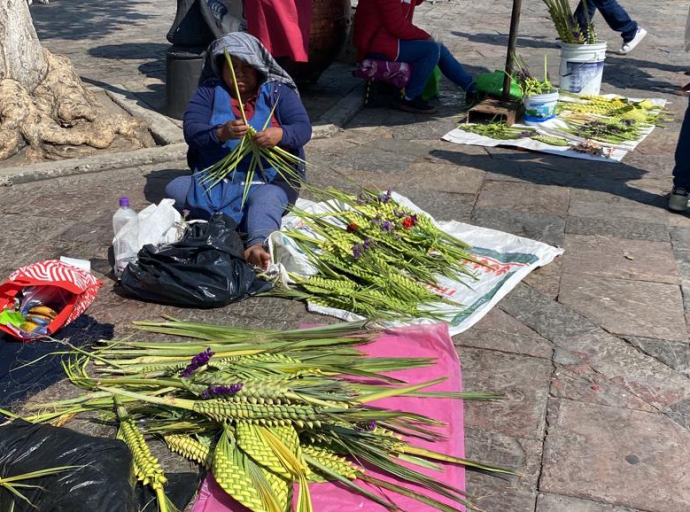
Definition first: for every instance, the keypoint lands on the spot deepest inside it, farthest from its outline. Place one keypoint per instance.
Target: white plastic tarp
(614, 153)
(508, 259)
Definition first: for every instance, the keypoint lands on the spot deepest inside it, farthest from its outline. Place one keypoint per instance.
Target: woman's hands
(232, 130)
(237, 129)
(270, 137)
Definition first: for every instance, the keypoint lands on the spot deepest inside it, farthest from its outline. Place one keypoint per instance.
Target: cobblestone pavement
(591, 351)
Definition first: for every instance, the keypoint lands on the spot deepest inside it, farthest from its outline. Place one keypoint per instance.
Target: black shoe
(416, 106)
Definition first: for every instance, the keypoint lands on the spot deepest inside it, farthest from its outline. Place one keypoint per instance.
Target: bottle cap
(124, 201)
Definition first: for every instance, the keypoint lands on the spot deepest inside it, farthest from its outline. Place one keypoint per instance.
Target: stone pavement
(591, 352)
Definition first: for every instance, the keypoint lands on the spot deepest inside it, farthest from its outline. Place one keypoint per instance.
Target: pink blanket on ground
(415, 341)
(283, 26)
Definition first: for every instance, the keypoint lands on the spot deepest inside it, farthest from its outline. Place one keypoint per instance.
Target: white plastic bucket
(540, 107)
(582, 66)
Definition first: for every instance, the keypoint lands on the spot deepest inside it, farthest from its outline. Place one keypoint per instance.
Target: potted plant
(538, 96)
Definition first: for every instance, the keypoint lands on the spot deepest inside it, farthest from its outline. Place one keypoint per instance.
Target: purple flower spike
(387, 225)
(387, 196)
(367, 242)
(215, 391)
(199, 360)
(371, 425)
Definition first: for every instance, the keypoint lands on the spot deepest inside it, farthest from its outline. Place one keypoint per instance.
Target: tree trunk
(21, 54)
(44, 108)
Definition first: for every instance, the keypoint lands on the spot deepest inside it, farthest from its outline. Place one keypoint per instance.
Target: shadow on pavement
(79, 21)
(543, 169)
(502, 40)
(18, 382)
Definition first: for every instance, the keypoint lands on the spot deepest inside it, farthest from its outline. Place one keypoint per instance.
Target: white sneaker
(630, 45)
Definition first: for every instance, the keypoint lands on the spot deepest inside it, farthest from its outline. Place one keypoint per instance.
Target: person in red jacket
(383, 29)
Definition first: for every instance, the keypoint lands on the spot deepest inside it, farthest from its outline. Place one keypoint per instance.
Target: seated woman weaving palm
(214, 126)
(383, 30)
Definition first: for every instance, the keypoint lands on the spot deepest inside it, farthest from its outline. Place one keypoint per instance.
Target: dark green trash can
(183, 66)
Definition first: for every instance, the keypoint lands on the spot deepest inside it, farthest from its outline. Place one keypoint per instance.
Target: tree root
(60, 117)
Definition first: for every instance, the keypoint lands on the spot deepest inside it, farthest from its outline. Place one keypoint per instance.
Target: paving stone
(580, 382)
(522, 455)
(634, 308)
(20, 234)
(522, 197)
(368, 158)
(449, 178)
(521, 380)
(555, 503)
(548, 318)
(547, 279)
(680, 237)
(619, 258)
(542, 227)
(617, 227)
(609, 206)
(617, 456)
(613, 358)
(672, 353)
(500, 331)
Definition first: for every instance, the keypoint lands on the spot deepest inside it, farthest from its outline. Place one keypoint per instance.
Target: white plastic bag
(158, 224)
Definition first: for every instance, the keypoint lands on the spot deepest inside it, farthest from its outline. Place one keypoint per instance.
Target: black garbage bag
(102, 482)
(206, 269)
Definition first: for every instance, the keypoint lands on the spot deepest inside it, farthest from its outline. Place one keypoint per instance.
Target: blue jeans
(681, 171)
(424, 56)
(615, 16)
(263, 211)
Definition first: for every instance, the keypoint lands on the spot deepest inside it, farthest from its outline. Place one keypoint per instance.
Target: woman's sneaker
(416, 106)
(678, 202)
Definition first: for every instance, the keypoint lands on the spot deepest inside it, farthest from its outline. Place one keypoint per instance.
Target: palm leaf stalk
(260, 157)
(14, 484)
(569, 30)
(375, 257)
(618, 108)
(287, 414)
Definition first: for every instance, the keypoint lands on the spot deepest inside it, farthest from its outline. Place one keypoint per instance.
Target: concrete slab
(616, 456)
(556, 503)
(523, 197)
(501, 332)
(634, 308)
(538, 226)
(492, 493)
(521, 380)
(619, 258)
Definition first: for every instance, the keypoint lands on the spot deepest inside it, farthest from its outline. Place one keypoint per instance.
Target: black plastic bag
(103, 481)
(206, 269)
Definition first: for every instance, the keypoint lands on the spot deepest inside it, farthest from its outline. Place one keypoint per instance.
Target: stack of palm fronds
(265, 409)
(569, 30)
(284, 162)
(375, 257)
(619, 108)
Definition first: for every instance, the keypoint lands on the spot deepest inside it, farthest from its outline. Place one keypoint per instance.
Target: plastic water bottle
(125, 247)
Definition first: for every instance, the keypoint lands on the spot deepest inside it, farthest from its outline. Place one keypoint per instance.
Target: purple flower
(359, 249)
(376, 220)
(371, 426)
(214, 391)
(199, 360)
(388, 226)
(386, 197)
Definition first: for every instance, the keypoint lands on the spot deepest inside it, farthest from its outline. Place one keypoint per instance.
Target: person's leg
(265, 207)
(579, 14)
(681, 171)
(177, 189)
(453, 70)
(617, 18)
(423, 56)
